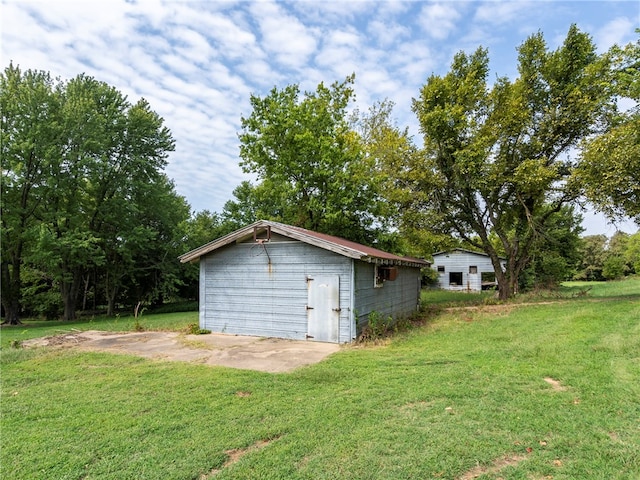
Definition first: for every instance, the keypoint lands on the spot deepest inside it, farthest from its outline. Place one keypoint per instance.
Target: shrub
(194, 329)
(614, 267)
(377, 327)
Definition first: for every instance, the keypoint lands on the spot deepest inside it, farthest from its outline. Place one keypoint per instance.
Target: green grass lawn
(527, 392)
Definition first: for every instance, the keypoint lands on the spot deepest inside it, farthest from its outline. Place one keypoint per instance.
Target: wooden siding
(459, 262)
(395, 298)
(254, 289)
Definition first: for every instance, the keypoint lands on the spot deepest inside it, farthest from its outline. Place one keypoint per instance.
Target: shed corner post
(202, 293)
(352, 300)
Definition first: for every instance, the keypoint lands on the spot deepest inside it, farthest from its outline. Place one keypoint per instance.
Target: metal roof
(464, 250)
(338, 245)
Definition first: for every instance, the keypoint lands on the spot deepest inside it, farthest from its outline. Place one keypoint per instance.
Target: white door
(323, 308)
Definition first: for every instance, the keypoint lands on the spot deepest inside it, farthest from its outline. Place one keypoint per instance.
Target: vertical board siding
(460, 261)
(396, 298)
(254, 289)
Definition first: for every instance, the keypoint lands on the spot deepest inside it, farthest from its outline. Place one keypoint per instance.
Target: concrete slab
(235, 351)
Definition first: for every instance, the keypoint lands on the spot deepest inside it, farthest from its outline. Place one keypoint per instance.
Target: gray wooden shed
(461, 269)
(274, 280)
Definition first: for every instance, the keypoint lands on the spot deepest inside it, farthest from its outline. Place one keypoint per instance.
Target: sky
(198, 62)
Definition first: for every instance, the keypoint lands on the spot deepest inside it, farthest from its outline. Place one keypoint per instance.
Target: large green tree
(610, 166)
(556, 255)
(497, 155)
(93, 201)
(632, 252)
(28, 129)
(203, 227)
(593, 254)
(305, 152)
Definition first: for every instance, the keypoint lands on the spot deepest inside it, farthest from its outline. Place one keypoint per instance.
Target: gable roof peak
(332, 243)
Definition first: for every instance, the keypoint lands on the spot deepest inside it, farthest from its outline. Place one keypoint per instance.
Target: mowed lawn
(536, 391)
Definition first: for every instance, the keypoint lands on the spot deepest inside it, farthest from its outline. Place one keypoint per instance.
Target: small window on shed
(473, 269)
(378, 278)
(385, 274)
(455, 278)
(440, 268)
(488, 277)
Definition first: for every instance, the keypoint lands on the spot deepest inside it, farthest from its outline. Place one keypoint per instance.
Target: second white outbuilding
(465, 270)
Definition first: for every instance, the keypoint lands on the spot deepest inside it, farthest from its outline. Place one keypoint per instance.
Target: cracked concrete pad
(236, 351)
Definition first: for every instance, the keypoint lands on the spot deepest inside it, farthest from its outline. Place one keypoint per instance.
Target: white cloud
(386, 34)
(197, 62)
(618, 31)
(331, 13)
(283, 35)
(230, 36)
(438, 20)
(501, 13)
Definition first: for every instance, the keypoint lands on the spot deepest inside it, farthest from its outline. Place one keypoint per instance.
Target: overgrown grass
(466, 390)
(610, 289)
(448, 298)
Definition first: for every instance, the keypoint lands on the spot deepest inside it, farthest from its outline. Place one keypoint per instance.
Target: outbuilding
(275, 280)
(466, 270)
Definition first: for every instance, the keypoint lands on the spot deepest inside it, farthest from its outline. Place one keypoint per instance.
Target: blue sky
(197, 62)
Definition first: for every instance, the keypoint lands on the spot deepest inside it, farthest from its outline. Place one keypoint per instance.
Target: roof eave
(196, 253)
(299, 235)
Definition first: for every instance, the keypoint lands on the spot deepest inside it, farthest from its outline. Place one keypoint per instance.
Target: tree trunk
(11, 286)
(68, 300)
(111, 291)
(11, 313)
(508, 281)
(85, 292)
(69, 290)
(111, 303)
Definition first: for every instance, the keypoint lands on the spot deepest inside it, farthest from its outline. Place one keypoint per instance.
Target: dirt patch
(497, 308)
(62, 340)
(495, 467)
(234, 456)
(236, 351)
(555, 384)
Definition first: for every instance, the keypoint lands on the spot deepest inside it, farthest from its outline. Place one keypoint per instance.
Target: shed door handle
(308, 307)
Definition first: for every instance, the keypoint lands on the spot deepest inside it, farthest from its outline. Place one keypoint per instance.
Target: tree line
(90, 219)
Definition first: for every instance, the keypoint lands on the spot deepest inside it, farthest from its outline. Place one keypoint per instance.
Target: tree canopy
(610, 166)
(89, 216)
(308, 158)
(84, 197)
(497, 157)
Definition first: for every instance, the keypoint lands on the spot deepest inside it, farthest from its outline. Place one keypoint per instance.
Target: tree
(133, 209)
(199, 229)
(305, 153)
(555, 256)
(496, 160)
(141, 253)
(632, 252)
(593, 255)
(610, 169)
(617, 263)
(608, 259)
(93, 197)
(613, 268)
(388, 149)
(28, 108)
(264, 201)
